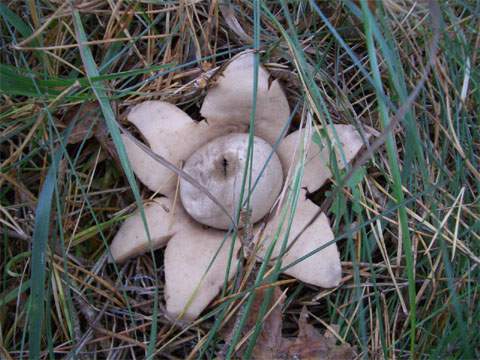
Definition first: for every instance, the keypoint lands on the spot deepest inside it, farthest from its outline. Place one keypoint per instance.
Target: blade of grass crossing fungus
(290, 208)
(247, 176)
(392, 154)
(318, 103)
(114, 131)
(222, 312)
(225, 306)
(315, 97)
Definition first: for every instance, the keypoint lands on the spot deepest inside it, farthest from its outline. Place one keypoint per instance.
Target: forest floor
(408, 69)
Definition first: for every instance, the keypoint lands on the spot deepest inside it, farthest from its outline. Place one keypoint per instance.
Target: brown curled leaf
(87, 118)
(308, 345)
(271, 334)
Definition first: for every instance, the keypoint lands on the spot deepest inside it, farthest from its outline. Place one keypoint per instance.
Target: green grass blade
(114, 131)
(39, 249)
(392, 153)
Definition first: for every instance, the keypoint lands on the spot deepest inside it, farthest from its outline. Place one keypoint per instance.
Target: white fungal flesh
(196, 261)
(317, 160)
(172, 134)
(220, 166)
(321, 268)
(230, 100)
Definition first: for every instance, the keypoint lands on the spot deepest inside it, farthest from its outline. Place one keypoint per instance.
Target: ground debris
(88, 122)
(309, 343)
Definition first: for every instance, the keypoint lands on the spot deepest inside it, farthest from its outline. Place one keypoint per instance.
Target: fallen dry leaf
(308, 345)
(87, 122)
(271, 335)
(271, 329)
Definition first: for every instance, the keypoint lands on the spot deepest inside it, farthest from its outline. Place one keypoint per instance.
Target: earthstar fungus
(213, 151)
